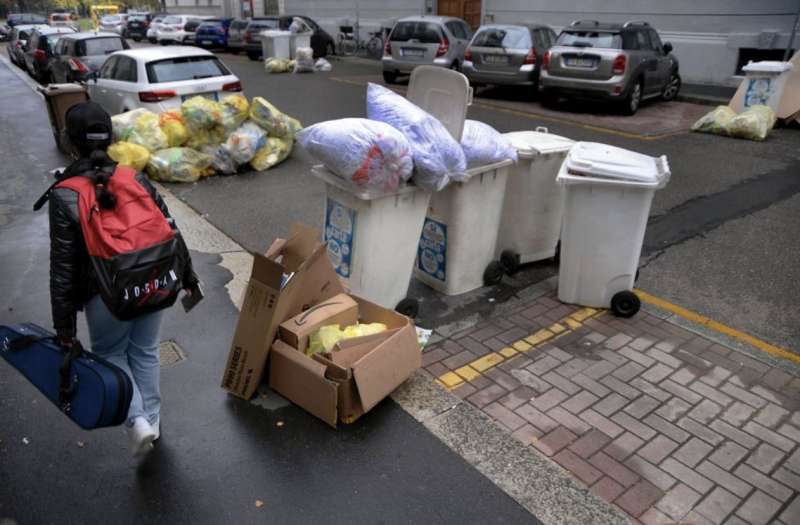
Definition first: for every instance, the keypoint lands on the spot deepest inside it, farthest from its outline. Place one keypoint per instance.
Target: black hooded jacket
(72, 283)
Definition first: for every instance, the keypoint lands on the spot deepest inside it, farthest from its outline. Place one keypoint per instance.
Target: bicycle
(347, 41)
(350, 43)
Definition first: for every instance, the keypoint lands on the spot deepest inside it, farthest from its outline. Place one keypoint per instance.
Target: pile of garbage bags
(302, 63)
(401, 142)
(754, 123)
(203, 138)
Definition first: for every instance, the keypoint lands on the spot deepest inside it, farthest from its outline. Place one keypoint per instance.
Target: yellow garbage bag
(174, 128)
(146, 132)
(127, 154)
(122, 124)
(201, 113)
(274, 152)
(204, 137)
(278, 65)
(715, 121)
(179, 165)
(235, 109)
(754, 124)
(324, 339)
(275, 123)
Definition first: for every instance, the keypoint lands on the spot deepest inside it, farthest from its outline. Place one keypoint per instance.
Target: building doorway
(467, 10)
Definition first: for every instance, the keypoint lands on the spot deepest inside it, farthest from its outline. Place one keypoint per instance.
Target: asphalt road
(720, 187)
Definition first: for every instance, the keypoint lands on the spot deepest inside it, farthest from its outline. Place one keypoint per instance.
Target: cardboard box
(293, 275)
(356, 376)
(341, 310)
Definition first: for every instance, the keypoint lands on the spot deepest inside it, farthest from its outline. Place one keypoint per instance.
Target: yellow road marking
(538, 116)
(521, 346)
(508, 352)
(718, 327)
(468, 373)
(539, 337)
(450, 379)
(572, 323)
(486, 362)
(556, 328)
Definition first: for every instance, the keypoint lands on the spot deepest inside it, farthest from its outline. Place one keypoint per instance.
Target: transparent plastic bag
(127, 154)
(322, 65)
(244, 143)
(304, 60)
(716, 121)
(179, 165)
(273, 153)
(438, 157)
(275, 123)
(278, 65)
(173, 126)
(146, 132)
(201, 113)
(754, 123)
(122, 124)
(204, 137)
(367, 152)
(221, 159)
(485, 145)
(235, 109)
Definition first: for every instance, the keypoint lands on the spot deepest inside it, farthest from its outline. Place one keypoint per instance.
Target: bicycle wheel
(348, 47)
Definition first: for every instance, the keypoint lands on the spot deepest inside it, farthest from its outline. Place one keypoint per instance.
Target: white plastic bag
(485, 145)
(322, 65)
(243, 143)
(438, 157)
(367, 152)
(304, 60)
(221, 159)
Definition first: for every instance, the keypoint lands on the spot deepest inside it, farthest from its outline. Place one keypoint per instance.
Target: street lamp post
(791, 37)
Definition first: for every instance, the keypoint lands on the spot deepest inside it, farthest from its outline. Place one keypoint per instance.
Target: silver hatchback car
(424, 40)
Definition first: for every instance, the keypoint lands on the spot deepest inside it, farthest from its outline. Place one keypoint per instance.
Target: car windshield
(159, 19)
(191, 25)
(113, 19)
(100, 46)
(590, 39)
(138, 18)
(423, 32)
(185, 68)
(264, 24)
(511, 37)
(212, 22)
(174, 20)
(60, 18)
(53, 39)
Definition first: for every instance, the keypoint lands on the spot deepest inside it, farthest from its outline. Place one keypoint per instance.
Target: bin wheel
(493, 273)
(625, 304)
(510, 260)
(408, 307)
(557, 254)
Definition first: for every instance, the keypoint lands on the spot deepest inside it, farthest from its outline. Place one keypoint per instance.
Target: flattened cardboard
(349, 351)
(340, 309)
(302, 381)
(266, 305)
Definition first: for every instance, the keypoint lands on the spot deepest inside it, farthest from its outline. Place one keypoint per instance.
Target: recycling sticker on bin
(759, 91)
(432, 251)
(340, 225)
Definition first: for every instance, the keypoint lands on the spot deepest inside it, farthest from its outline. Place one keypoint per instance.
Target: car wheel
(253, 55)
(152, 40)
(548, 98)
(672, 87)
(233, 50)
(634, 99)
(455, 66)
(137, 39)
(390, 77)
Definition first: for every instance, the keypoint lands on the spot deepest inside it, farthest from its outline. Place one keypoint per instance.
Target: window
(108, 67)
(655, 41)
(510, 37)
(99, 46)
(424, 32)
(185, 68)
(590, 39)
(313, 25)
(456, 29)
(61, 48)
(642, 41)
(125, 70)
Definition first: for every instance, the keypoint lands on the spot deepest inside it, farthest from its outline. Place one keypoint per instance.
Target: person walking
(116, 254)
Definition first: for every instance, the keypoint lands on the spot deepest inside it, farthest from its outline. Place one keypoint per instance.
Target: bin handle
(470, 92)
(542, 129)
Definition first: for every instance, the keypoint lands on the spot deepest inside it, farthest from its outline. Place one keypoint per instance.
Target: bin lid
(529, 143)
(444, 93)
(588, 160)
(768, 66)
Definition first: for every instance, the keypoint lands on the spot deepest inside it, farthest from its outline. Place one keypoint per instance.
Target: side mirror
(667, 48)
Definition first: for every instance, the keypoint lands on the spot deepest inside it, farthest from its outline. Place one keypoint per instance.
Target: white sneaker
(141, 435)
(157, 429)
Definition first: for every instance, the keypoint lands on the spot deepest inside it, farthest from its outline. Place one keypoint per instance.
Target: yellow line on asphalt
(531, 115)
(718, 327)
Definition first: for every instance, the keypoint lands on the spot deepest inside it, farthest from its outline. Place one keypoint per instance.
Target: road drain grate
(170, 354)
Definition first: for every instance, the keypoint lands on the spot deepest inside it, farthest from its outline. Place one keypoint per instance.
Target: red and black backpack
(135, 253)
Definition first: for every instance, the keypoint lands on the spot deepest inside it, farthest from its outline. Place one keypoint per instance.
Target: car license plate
(210, 96)
(413, 52)
(496, 59)
(580, 62)
(206, 42)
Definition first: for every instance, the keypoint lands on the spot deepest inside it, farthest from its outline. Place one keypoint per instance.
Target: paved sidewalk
(665, 424)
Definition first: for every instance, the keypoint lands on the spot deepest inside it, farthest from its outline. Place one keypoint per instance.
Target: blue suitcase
(91, 391)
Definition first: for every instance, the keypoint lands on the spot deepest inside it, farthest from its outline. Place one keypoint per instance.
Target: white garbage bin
(607, 197)
(372, 238)
(456, 249)
(530, 225)
(298, 40)
(275, 44)
(765, 82)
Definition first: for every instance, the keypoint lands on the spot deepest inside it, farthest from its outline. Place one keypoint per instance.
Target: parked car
(236, 34)
(113, 24)
(173, 29)
(160, 78)
(78, 55)
(61, 20)
(190, 28)
(623, 63)
(17, 41)
(137, 26)
(417, 40)
(213, 33)
(507, 54)
(5, 33)
(321, 42)
(252, 42)
(155, 25)
(39, 51)
(19, 19)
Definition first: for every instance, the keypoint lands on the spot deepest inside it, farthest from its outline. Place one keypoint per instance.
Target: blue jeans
(132, 346)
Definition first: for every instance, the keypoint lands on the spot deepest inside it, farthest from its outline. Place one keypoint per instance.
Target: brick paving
(666, 425)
